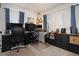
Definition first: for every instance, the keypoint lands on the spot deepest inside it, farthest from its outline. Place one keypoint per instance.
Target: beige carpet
(40, 46)
(39, 49)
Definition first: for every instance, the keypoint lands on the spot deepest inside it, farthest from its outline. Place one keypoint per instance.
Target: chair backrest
(17, 33)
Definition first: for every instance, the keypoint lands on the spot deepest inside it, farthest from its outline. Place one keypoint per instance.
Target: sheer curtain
(54, 21)
(59, 19)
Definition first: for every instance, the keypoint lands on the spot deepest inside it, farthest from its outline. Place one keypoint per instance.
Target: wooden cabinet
(57, 40)
(74, 48)
(62, 41)
(74, 44)
(49, 40)
(74, 40)
(65, 41)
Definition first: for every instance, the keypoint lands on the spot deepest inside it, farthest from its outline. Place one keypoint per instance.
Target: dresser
(74, 43)
(68, 42)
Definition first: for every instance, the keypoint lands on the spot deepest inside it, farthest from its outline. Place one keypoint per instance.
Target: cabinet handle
(74, 39)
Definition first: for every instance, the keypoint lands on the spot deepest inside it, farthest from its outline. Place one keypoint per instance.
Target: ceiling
(38, 7)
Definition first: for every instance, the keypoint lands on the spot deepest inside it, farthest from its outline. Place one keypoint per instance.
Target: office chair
(18, 36)
(34, 37)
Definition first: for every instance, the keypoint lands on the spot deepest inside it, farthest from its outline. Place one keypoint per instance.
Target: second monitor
(30, 26)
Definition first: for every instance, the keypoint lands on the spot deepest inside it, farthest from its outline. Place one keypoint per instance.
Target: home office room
(39, 29)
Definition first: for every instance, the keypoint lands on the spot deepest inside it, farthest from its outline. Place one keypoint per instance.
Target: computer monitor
(16, 24)
(29, 27)
(38, 26)
(10, 25)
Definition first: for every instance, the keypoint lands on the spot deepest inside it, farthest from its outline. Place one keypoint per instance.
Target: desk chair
(34, 37)
(18, 36)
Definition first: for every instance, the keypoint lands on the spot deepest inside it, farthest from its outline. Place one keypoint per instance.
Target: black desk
(27, 38)
(6, 42)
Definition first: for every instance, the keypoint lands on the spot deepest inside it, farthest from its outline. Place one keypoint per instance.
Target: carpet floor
(39, 49)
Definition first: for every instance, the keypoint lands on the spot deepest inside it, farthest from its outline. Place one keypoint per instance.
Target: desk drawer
(74, 40)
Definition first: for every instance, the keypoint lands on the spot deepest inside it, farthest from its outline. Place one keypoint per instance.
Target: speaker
(63, 30)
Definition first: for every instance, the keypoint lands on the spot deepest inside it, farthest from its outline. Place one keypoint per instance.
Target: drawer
(74, 48)
(74, 40)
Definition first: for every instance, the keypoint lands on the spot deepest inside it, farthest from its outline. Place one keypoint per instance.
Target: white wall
(58, 18)
(54, 21)
(14, 14)
(2, 21)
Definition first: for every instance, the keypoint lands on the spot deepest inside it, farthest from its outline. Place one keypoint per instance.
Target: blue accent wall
(21, 17)
(73, 19)
(45, 21)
